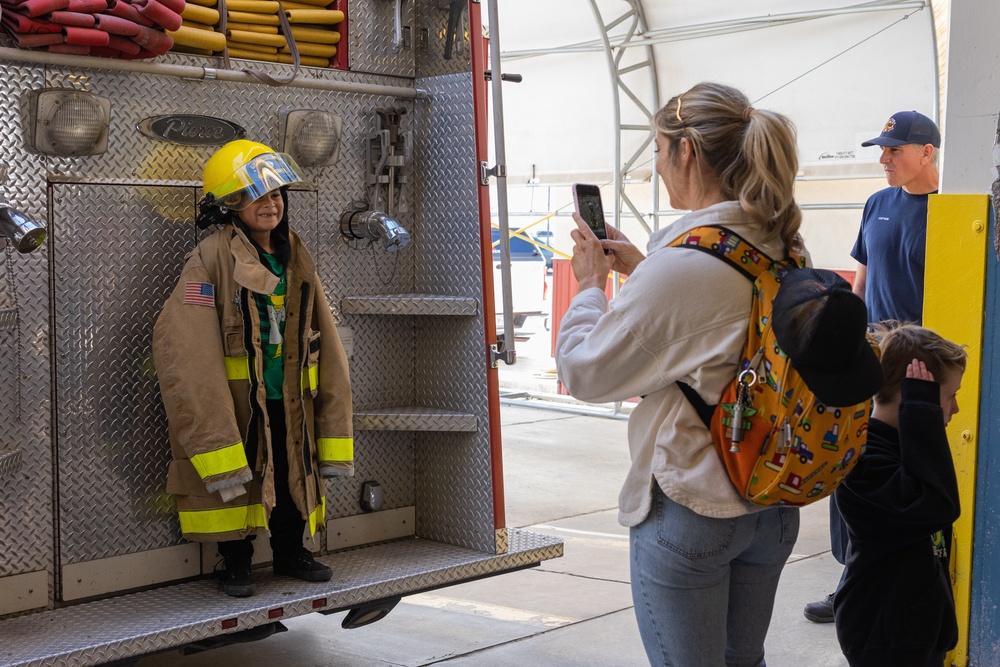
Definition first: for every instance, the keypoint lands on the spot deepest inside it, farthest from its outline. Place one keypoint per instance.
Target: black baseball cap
(907, 127)
(822, 325)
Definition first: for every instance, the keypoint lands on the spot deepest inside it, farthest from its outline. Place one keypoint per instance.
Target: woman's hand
(626, 255)
(590, 265)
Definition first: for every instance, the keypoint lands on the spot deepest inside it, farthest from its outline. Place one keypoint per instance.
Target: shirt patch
(199, 294)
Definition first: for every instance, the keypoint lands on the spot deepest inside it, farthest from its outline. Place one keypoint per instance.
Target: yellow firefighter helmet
(242, 171)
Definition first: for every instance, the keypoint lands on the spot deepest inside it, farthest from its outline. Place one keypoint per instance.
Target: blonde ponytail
(751, 151)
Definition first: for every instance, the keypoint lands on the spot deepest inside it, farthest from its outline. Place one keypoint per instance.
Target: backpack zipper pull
(786, 435)
(742, 398)
(736, 432)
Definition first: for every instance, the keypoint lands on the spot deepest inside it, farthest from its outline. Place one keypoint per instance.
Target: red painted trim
(339, 60)
(480, 98)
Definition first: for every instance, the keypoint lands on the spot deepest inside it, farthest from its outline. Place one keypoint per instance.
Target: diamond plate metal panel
(134, 157)
(26, 533)
(382, 365)
(371, 33)
(98, 346)
(414, 418)
(113, 268)
(431, 39)
(454, 471)
(384, 456)
(132, 625)
(410, 304)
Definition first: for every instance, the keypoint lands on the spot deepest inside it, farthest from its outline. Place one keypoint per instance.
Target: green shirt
(271, 308)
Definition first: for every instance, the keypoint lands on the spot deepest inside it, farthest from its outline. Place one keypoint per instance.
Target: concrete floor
(562, 473)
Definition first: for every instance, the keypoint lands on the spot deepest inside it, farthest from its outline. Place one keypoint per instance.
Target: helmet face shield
(256, 178)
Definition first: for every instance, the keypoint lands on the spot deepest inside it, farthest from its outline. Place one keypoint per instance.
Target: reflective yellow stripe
(222, 520)
(237, 368)
(318, 516)
(335, 449)
(220, 461)
(310, 378)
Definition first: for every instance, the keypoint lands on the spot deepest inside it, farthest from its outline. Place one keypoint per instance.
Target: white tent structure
(595, 70)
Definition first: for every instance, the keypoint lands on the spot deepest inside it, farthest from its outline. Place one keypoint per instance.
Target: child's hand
(918, 370)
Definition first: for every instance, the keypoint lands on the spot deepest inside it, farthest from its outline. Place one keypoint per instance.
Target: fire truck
(101, 174)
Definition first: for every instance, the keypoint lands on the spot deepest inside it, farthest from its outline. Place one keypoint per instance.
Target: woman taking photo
(704, 563)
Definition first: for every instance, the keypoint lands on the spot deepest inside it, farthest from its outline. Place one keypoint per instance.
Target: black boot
(300, 564)
(234, 577)
(821, 611)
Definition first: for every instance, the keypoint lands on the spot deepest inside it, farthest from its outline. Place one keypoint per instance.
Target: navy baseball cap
(822, 326)
(907, 127)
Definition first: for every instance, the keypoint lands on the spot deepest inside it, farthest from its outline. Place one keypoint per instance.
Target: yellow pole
(954, 289)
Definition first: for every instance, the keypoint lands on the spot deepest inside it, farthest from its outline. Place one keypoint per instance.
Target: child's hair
(901, 343)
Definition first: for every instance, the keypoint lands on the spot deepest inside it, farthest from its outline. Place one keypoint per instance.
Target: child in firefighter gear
(255, 424)
(895, 607)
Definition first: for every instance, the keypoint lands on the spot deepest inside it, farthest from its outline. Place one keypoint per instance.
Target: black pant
(839, 539)
(286, 522)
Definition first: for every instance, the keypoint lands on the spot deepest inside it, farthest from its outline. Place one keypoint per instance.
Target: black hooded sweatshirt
(895, 608)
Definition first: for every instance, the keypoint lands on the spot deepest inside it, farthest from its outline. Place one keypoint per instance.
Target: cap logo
(889, 125)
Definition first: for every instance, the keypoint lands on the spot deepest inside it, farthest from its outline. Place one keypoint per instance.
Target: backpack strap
(727, 245)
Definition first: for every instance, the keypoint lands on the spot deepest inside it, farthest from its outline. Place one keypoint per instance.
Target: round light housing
(68, 122)
(312, 137)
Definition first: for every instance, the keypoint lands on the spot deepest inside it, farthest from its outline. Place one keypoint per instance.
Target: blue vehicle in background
(544, 237)
(528, 269)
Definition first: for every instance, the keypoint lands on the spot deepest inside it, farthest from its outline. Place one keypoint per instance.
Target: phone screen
(588, 205)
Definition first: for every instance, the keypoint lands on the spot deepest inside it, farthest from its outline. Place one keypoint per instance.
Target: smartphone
(588, 204)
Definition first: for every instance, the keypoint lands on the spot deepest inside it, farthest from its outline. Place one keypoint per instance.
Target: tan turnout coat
(209, 365)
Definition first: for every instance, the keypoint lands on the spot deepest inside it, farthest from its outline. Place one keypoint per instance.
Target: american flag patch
(199, 294)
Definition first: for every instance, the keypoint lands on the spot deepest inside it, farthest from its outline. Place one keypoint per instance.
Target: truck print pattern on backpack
(779, 443)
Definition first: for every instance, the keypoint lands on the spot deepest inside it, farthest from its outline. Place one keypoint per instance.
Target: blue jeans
(704, 588)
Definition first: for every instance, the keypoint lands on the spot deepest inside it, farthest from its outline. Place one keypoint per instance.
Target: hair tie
(677, 112)
(746, 114)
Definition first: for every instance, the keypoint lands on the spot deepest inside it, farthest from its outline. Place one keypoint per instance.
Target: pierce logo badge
(191, 129)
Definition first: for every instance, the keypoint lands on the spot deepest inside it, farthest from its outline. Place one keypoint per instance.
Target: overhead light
(312, 136)
(67, 122)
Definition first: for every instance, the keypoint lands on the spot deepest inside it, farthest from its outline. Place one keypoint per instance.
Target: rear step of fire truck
(368, 581)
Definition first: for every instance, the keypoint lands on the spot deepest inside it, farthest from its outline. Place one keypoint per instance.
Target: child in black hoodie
(895, 608)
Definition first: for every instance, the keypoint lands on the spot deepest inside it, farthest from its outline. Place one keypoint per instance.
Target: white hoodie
(681, 315)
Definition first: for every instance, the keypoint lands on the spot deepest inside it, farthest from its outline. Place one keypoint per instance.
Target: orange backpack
(778, 442)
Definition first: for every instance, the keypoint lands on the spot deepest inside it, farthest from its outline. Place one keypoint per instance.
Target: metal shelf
(409, 304)
(414, 418)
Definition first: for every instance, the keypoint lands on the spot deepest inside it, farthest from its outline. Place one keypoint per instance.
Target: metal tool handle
(397, 36)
